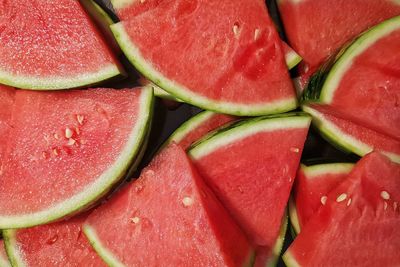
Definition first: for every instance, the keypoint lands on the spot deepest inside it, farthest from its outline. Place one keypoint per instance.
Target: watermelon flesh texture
(7, 98)
(56, 244)
(256, 199)
(316, 38)
(369, 92)
(53, 155)
(51, 45)
(170, 211)
(351, 136)
(241, 47)
(313, 184)
(4, 262)
(333, 236)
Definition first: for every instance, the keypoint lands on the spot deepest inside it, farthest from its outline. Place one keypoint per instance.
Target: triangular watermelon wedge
(67, 149)
(231, 63)
(168, 217)
(311, 188)
(51, 45)
(56, 244)
(362, 211)
(251, 166)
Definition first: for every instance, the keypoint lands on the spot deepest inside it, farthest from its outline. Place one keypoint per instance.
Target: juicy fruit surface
(317, 28)
(351, 136)
(256, 198)
(371, 218)
(373, 104)
(57, 244)
(240, 46)
(168, 210)
(313, 184)
(50, 40)
(52, 151)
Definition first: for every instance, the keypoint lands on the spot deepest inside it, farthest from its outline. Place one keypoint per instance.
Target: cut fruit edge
(15, 256)
(345, 59)
(277, 249)
(100, 187)
(341, 139)
(147, 69)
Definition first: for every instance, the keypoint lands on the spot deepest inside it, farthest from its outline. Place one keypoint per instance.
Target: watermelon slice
(4, 262)
(363, 84)
(51, 45)
(363, 210)
(311, 187)
(350, 136)
(56, 244)
(197, 127)
(129, 9)
(67, 150)
(239, 53)
(270, 147)
(167, 217)
(316, 29)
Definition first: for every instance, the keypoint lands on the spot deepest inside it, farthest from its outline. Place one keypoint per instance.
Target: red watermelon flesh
(349, 134)
(234, 42)
(312, 185)
(257, 198)
(369, 92)
(167, 217)
(317, 28)
(57, 244)
(4, 262)
(7, 98)
(64, 144)
(51, 45)
(361, 211)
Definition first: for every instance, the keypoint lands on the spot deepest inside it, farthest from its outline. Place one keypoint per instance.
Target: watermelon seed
(68, 133)
(45, 155)
(52, 240)
(341, 197)
(187, 201)
(348, 202)
(385, 195)
(235, 29)
(257, 33)
(56, 136)
(295, 149)
(55, 151)
(324, 199)
(142, 1)
(71, 142)
(80, 118)
(385, 205)
(135, 220)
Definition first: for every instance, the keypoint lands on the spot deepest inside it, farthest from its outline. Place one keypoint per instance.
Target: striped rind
(289, 260)
(292, 59)
(277, 249)
(294, 218)
(341, 139)
(59, 82)
(145, 67)
(313, 171)
(101, 185)
(13, 252)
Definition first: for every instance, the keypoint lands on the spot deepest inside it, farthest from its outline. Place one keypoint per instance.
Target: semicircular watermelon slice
(358, 225)
(167, 217)
(363, 83)
(231, 63)
(311, 187)
(250, 165)
(66, 149)
(51, 45)
(57, 244)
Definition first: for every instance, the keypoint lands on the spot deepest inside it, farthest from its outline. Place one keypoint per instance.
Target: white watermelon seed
(295, 149)
(56, 136)
(68, 133)
(348, 202)
(77, 130)
(71, 142)
(80, 118)
(257, 33)
(385, 195)
(135, 220)
(341, 197)
(187, 201)
(385, 205)
(55, 151)
(235, 29)
(324, 199)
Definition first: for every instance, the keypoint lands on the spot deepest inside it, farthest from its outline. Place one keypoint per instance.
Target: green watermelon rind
(15, 256)
(289, 260)
(60, 83)
(247, 127)
(118, 4)
(179, 91)
(324, 83)
(340, 139)
(292, 59)
(277, 249)
(102, 185)
(311, 172)
(4, 261)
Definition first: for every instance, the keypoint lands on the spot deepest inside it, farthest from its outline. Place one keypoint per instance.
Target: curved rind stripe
(59, 83)
(101, 185)
(134, 55)
(289, 260)
(277, 249)
(294, 218)
(344, 63)
(328, 168)
(14, 254)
